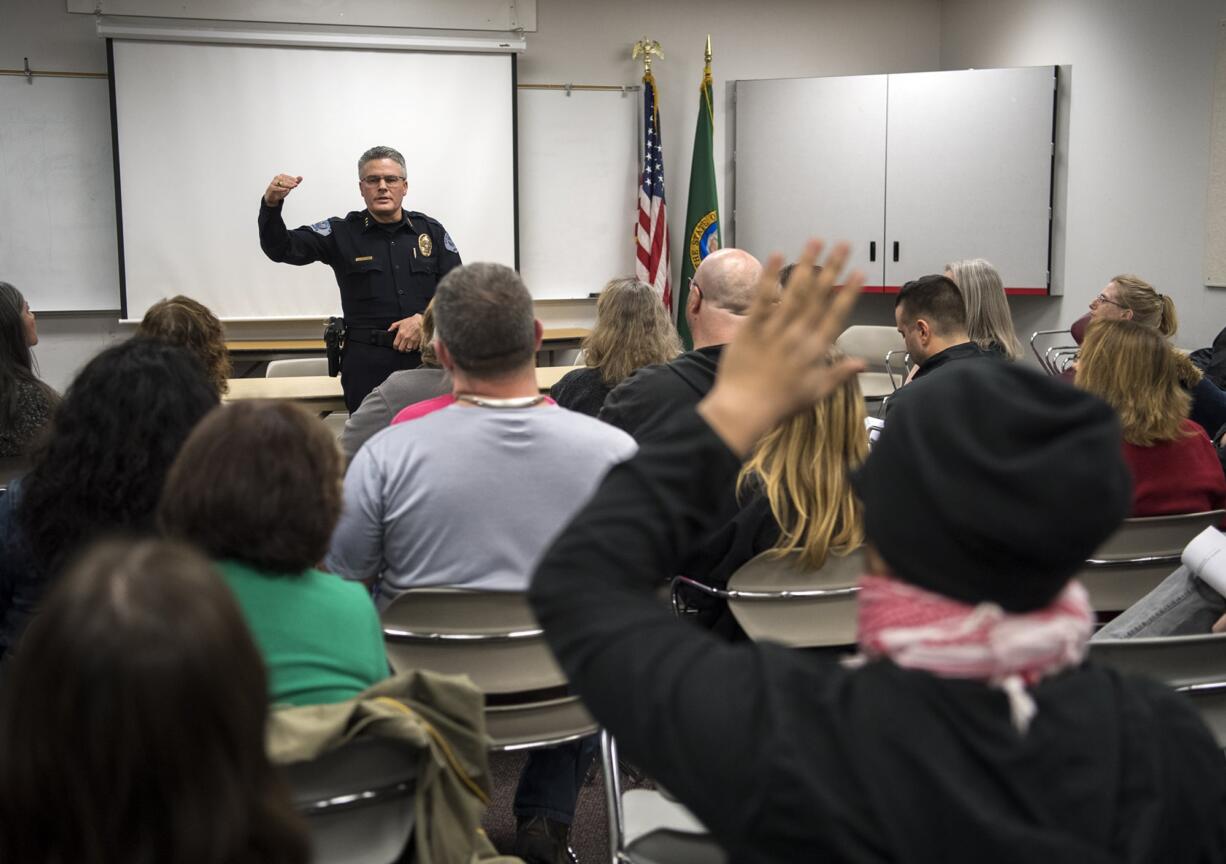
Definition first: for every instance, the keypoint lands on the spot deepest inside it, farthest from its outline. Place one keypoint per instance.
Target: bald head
(720, 296)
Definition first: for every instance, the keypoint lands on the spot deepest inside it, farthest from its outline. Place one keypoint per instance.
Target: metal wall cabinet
(916, 169)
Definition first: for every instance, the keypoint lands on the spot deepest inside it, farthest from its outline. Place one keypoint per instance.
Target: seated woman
(1174, 466)
(26, 402)
(796, 496)
(1131, 298)
(101, 470)
(186, 322)
(132, 722)
(988, 320)
(632, 330)
(257, 486)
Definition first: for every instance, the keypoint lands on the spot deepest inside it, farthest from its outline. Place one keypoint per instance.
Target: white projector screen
(201, 129)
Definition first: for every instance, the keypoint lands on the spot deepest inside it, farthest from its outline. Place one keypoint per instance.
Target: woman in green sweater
(257, 486)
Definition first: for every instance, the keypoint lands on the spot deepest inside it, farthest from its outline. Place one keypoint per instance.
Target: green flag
(702, 208)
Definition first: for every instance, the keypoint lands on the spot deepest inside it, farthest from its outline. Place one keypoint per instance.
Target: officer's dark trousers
(365, 367)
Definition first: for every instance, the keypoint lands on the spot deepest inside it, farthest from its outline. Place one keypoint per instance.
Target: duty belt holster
(334, 338)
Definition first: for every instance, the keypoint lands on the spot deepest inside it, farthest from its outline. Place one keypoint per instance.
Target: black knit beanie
(991, 482)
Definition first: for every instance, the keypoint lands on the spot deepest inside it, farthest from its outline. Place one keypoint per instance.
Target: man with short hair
(471, 495)
(931, 316)
(387, 263)
(719, 298)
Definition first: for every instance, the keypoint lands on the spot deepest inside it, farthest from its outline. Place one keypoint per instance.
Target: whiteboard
(202, 128)
(57, 195)
(578, 189)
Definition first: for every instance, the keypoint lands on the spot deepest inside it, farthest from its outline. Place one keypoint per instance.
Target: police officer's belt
(382, 338)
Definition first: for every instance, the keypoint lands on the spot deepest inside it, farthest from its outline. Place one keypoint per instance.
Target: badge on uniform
(449, 244)
(323, 228)
(425, 244)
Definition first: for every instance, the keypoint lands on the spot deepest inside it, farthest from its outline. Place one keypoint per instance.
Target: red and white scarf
(918, 629)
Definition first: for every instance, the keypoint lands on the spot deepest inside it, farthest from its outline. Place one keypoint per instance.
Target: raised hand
(778, 364)
(280, 186)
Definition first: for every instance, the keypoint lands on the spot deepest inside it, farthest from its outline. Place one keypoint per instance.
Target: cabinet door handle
(895, 251)
(872, 250)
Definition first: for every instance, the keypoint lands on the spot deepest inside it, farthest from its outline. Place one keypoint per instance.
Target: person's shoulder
(584, 428)
(424, 217)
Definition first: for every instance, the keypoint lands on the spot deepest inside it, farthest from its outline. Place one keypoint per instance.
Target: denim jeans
(552, 777)
(1181, 605)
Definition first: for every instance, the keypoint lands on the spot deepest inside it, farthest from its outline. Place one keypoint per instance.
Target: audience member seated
(183, 321)
(796, 494)
(1131, 298)
(401, 389)
(989, 324)
(257, 486)
(715, 308)
(931, 317)
(632, 330)
(133, 722)
(26, 402)
(972, 730)
(470, 495)
(1174, 466)
(101, 470)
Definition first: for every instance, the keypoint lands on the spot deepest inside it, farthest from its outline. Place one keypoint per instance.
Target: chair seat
(875, 385)
(658, 829)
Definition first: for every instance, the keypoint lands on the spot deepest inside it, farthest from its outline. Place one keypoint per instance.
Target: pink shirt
(429, 406)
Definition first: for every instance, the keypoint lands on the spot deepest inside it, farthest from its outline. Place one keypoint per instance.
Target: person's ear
(924, 331)
(538, 333)
(1126, 314)
(443, 355)
(694, 301)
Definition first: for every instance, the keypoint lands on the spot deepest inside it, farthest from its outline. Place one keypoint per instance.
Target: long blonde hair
(632, 330)
(1148, 306)
(803, 468)
(988, 320)
(1132, 367)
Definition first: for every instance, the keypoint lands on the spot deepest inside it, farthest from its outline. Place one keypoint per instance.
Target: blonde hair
(1130, 366)
(186, 322)
(632, 330)
(1147, 305)
(988, 320)
(803, 467)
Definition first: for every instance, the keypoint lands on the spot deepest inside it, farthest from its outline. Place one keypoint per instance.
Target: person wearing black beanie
(971, 730)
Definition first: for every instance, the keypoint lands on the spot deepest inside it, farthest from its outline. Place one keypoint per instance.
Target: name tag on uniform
(363, 258)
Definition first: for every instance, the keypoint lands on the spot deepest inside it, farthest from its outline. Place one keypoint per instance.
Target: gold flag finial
(707, 56)
(646, 48)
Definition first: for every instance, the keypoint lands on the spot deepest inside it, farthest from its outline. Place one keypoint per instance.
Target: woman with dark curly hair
(632, 330)
(101, 470)
(26, 403)
(132, 728)
(267, 523)
(183, 321)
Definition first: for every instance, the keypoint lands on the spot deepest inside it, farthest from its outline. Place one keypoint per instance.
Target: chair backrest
(1193, 665)
(773, 598)
(304, 367)
(871, 344)
(358, 801)
(1139, 555)
(494, 639)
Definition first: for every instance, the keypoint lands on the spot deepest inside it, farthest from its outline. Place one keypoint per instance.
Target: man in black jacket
(1009, 748)
(931, 317)
(719, 297)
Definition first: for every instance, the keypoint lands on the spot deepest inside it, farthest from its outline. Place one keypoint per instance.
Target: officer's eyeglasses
(375, 180)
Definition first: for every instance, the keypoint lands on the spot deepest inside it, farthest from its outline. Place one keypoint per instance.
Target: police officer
(387, 263)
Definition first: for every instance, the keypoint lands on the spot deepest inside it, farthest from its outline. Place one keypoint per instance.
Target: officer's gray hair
(381, 153)
(483, 314)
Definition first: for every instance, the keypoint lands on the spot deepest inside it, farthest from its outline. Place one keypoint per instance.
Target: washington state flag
(701, 236)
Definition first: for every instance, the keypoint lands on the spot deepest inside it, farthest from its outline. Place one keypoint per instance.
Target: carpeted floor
(589, 833)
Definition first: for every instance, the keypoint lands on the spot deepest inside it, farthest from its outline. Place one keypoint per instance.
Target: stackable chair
(1193, 665)
(308, 367)
(1054, 349)
(885, 356)
(493, 638)
(358, 801)
(1139, 555)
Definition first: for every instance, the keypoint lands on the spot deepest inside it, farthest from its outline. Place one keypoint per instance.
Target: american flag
(652, 226)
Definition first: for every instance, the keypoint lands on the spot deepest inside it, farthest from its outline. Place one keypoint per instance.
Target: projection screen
(202, 128)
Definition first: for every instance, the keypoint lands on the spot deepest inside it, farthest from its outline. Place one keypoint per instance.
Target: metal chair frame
(1044, 358)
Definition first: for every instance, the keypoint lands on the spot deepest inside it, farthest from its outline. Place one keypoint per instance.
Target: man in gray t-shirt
(471, 495)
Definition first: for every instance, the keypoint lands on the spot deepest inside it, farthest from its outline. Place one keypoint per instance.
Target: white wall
(579, 41)
(1139, 117)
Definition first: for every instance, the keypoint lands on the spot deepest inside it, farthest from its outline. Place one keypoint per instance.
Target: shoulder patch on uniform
(449, 244)
(323, 228)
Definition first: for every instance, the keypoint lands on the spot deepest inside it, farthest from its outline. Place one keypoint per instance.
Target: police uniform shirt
(385, 272)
